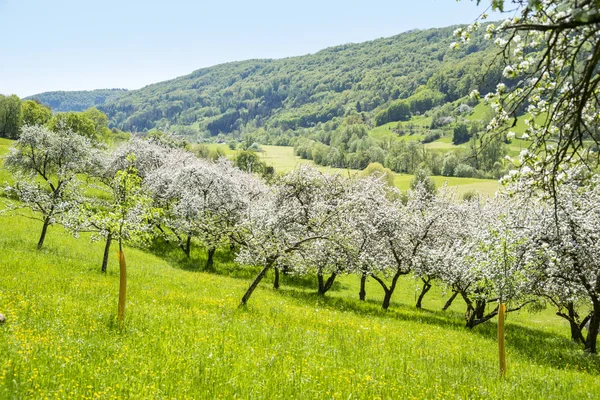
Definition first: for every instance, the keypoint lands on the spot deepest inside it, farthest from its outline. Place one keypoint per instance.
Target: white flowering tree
(368, 202)
(446, 229)
(486, 259)
(567, 238)
(202, 200)
(156, 163)
(551, 51)
(107, 215)
(46, 165)
(407, 227)
(303, 206)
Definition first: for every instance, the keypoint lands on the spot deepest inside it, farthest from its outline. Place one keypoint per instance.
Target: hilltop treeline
(61, 101)
(416, 68)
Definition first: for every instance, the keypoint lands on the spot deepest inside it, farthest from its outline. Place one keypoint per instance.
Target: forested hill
(300, 92)
(77, 100)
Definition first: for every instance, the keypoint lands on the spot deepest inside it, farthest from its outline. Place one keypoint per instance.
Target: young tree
(126, 216)
(46, 164)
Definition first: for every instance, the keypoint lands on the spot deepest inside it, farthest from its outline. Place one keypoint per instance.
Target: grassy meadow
(184, 336)
(283, 159)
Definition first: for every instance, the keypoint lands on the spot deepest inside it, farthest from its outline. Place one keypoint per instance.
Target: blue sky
(79, 45)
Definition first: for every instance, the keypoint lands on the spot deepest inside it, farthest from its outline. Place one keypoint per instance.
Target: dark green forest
(80, 100)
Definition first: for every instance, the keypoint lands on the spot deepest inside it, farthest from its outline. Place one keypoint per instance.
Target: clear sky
(82, 44)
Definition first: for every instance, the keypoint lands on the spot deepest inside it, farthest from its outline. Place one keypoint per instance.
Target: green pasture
(185, 337)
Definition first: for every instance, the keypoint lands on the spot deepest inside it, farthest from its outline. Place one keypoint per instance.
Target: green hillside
(76, 100)
(185, 338)
(300, 92)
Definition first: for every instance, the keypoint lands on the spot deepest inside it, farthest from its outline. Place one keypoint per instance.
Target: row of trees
(516, 248)
(350, 146)
(14, 114)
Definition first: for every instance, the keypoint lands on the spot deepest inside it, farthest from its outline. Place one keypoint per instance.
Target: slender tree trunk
(363, 293)
(209, 259)
(321, 281)
(330, 281)
(276, 280)
(576, 334)
(449, 302)
(386, 299)
(388, 291)
(324, 286)
(188, 246)
(122, 284)
(426, 287)
(593, 328)
(256, 281)
(106, 251)
(44, 230)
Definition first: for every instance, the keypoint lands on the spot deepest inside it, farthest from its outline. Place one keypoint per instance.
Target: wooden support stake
(122, 286)
(501, 345)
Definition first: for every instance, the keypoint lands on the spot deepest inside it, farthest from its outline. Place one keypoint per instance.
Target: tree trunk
(576, 334)
(122, 284)
(386, 299)
(209, 259)
(449, 302)
(476, 315)
(330, 281)
(363, 293)
(106, 251)
(188, 246)
(256, 281)
(44, 230)
(325, 286)
(426, 287)
(321, 282)
(388, 291)
(593, 327)
(480, 309)
(276, 280)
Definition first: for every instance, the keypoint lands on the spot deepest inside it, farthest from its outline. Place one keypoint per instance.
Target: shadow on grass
(538, 346)
(225, 265)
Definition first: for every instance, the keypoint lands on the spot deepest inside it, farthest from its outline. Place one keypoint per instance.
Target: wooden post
(122, 286)
(501, 346)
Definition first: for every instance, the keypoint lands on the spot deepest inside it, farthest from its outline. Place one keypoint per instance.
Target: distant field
(444, 144)
(283, 159)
